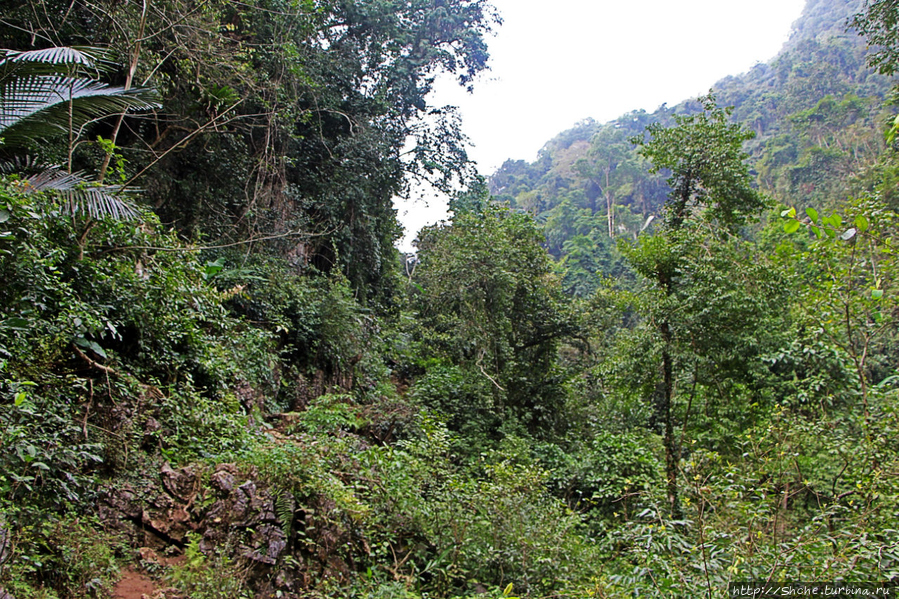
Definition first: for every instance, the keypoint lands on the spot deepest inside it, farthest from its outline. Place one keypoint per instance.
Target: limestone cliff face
(824, 18)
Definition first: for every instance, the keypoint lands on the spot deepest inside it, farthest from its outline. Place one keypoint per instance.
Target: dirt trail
(133, 585)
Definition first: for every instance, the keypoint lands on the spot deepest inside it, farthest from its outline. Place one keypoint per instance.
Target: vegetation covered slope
(816, 110)
(236, 388)
(276, 117)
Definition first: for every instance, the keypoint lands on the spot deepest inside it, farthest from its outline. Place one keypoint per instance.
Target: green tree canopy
(704, 154)
(491, 303)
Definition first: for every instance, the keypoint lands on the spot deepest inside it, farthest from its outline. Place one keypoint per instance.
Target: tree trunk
(671, 453)
(610, 215)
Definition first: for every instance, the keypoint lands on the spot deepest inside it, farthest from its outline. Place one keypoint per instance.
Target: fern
(285, 507)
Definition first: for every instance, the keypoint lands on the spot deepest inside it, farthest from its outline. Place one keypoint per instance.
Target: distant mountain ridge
(816, 109)
(823, 18)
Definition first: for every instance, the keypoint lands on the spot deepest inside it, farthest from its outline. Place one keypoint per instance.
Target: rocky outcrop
(228, 507)
(231, 512)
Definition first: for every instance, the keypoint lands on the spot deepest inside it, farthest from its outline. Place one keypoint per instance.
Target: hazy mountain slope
(815, 109)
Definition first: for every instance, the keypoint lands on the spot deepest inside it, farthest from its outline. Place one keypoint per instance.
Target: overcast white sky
(556, 63)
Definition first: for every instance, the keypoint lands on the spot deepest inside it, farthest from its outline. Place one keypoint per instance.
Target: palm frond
(38, 106)
(69, 60)
(81, 196)
(50, 92)
(22, 165)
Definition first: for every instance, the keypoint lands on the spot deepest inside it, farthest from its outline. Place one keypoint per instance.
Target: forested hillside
(817, 111)
(660, 360)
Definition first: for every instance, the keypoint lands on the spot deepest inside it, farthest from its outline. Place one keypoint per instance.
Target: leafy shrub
(46, 456)
(611, 475)
(329, 414)
(195, 426)
(115, 290)
(803, 502)
(458, 528)
(463, 399)
(202, 576)
(70, 556)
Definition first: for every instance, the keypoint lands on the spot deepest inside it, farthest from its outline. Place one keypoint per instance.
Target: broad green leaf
(4, 216)
(95, 347)
(39, 106)
(19, 399)
(830, 232)
(817, 231)
(848, 234)
(861, 223)
(15, 323)
(791, 226)
(891, 134)
(213, 268)
(91, 345)
(877, 293)
(812, 214)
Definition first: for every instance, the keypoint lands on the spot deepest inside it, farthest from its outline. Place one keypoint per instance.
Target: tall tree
(492, 305)
(709, 181)
(609, 169)
(303, 111)
(704, 154)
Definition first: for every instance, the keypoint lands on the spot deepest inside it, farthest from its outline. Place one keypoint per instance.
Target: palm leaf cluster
(79, 197)
(56, 91)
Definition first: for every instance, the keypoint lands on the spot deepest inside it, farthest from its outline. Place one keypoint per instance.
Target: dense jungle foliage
(658, 360)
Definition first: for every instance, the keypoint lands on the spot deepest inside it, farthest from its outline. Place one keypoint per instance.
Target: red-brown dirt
(133, 585)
